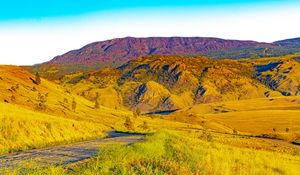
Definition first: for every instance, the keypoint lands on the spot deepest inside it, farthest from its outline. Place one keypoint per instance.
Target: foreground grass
(169, 153)
(22, 129)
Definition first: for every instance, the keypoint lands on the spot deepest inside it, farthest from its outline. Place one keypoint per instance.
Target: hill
(162, 83)
(36, 115)
(242, 110)
(262, 117)
(293, 41)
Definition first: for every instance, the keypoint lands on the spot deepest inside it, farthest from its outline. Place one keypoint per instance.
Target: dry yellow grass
(170, 153)
(275, 117)
(22, 129)
(198, 133)
(25, 124)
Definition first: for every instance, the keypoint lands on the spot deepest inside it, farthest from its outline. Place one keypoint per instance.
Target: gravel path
(67, 154)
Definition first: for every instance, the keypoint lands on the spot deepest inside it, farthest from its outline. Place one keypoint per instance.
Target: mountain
(162, 83)
(115, 52)
(287, 42)
(121, 50)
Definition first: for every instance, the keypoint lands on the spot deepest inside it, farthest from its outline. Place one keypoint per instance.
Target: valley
(199, 115)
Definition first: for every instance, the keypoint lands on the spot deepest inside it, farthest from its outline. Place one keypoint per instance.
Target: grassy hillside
(23, 129)
(266, 117)
(280, 74)
(201, 116)
(158, 83)
(50, 109)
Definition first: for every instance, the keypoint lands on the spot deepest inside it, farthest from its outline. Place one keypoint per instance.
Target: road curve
(67, 154)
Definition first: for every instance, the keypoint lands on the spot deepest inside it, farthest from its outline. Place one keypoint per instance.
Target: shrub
(145, 125)
(97, 106)
(129, 123)
(74, 104)
(235, 131)
(37, 78)
(41, 102)
(13, 98)
(65, 100)
(138, 111)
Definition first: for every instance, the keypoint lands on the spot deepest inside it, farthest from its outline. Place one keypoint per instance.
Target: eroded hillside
(160, 83)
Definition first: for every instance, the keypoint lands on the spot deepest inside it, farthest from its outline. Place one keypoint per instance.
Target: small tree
(65, 100)
(74, 104)
(138, 111)
(97, 106)
(235, 131)
(128, 123)
(134, 114)
(37, 78)
(13, 98)
(145, 125)
(41, 101)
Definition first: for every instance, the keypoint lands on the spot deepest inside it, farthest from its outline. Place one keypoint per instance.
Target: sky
(35, 31)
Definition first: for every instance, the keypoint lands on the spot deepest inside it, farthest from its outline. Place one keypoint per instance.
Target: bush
(37, 78)
(129, 123)
(96, 106)
(74, 104)
(145, 125)
(235, 131)
(41, 101)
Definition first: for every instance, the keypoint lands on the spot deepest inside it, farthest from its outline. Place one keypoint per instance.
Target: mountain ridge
(116, 52)
(123, 49)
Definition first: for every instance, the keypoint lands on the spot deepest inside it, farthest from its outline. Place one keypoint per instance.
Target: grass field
(22, 129)
(170, 153)
(252, 136)
(272, 117)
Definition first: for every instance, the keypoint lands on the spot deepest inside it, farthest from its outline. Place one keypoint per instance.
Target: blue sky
(42, 29)
(36, 9)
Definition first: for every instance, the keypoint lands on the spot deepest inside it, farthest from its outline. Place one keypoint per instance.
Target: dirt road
(67, 154)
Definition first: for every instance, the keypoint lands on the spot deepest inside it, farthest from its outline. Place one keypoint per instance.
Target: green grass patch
(168, 153)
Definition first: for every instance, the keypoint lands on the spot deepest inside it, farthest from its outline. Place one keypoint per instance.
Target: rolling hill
(36, 115)
(276, 117)
(162, 83)
(190, 107)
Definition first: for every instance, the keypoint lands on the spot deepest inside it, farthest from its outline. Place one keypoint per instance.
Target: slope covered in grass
(166, 153)
(270, 117)
(37, 115)
(17, 86)
(22, 129)
(175, 82)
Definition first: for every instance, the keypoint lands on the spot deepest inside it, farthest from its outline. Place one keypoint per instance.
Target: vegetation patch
(169, 153)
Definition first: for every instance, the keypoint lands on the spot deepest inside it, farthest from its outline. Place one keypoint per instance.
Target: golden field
(200, 116)
(170, 153)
